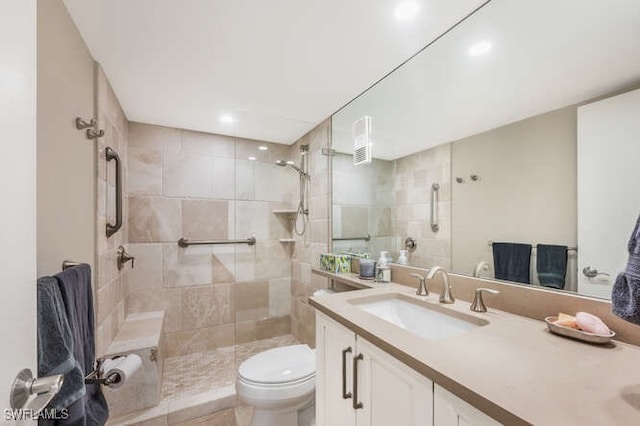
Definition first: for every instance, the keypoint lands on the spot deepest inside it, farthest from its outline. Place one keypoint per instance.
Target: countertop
(513, 369)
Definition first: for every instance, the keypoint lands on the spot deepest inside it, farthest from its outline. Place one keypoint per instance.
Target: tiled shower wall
(414, 175)
(202, 186)
(110, 293)
(308, 247)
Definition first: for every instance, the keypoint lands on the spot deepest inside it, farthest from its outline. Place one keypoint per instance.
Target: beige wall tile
(145, 170)
(207, 306)
(185, 267)
(188, 175)
(248, 331)
(245, 180)
(252, 300)
(223, 175)
(169, 300)
(205, 220)
(279, 297)
(147, 273)
(147, 136)
(207, 144)
(199, 340)
(154, 219)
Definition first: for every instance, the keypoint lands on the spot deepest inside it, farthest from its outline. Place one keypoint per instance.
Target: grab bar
(110, 154)
(366, 237)
(435, 227)
(183, 242)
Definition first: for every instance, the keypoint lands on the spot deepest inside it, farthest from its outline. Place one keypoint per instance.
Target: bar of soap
(567, 321)
(591, 324)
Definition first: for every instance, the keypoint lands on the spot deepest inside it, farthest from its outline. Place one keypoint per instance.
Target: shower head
(283, 163)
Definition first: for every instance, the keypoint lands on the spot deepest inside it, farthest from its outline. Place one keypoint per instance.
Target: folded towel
(551, 265)
(55, 345)
(625, 295)
(75, 287)
(512, 262)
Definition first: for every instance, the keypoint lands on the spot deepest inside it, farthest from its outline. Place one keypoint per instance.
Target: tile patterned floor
(192, 374)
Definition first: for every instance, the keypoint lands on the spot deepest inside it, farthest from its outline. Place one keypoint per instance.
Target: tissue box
(338, 264)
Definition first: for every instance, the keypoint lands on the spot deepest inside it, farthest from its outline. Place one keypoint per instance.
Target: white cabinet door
(449, 410)
(335, 348)
(391, 393)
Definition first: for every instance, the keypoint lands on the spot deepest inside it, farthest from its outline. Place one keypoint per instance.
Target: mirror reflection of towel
(625, 296)
(551, 265)
(512, 262)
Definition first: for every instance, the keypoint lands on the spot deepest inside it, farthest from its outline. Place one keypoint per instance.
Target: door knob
(592, 273)
(32, 393)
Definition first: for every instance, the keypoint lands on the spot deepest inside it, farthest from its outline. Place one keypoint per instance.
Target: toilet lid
(279, 365)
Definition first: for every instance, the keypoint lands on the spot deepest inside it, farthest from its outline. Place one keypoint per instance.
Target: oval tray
(577, 334)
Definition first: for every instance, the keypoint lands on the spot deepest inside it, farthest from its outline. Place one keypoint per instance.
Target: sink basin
(428, 321)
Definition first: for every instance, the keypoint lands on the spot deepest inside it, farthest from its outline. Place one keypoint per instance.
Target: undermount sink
(428, 321)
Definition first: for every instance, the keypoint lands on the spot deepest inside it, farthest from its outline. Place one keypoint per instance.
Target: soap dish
(577, 334)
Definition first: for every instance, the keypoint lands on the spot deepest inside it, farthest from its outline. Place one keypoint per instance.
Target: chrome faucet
(123, 257)
(445, 294)
(478, 304)
(422, 287)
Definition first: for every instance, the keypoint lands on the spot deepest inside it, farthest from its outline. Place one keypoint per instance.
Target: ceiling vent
(362, 140)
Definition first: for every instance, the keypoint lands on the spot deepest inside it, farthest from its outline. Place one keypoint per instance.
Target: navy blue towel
(55, 345)
(551, 265)
(625, 295)
(512, 262)
(75, 287)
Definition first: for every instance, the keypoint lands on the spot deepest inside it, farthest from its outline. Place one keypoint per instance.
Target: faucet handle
(422, 287)
(124, 257)
(478, 303)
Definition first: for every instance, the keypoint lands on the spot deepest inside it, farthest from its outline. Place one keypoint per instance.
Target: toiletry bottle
(403, 259)
(383, 271)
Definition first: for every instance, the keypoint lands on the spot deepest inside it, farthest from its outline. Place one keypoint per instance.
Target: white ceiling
(546, 54)
(279, 67)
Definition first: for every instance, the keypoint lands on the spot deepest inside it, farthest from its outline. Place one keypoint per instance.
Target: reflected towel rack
(66, 264)
(183, 242)
(533, 246)
(366, 237)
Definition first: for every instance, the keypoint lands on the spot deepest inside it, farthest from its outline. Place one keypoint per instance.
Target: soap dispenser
(383, 271)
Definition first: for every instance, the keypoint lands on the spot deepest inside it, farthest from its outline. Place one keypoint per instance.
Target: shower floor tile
(193, 374)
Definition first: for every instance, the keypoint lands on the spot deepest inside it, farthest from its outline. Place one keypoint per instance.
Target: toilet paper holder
(94, 376)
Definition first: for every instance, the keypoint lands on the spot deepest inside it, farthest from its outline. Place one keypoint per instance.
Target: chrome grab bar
(110, 154)
(183, 242)
(435, 227)
(366, 237)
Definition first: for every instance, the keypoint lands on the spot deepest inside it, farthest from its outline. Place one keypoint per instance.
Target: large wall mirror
(519, 126)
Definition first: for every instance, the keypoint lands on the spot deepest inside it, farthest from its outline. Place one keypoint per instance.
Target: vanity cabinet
(449, 410)
(359, 384)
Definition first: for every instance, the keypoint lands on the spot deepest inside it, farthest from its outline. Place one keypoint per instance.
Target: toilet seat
(283, 366)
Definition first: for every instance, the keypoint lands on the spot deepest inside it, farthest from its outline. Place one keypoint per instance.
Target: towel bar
(533, 246)
(366, 237)
(183, 242)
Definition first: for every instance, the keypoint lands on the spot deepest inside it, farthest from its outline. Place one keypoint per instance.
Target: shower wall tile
(147, 273)
(154, 219)
(202, 186)
(279, 297)
(184, 267)
(109, 293)
(199, 340)
(249, 331)
(207, 144)
(205, 219)
(169, 300)
(207, 306)
(145, 170)
(188, 175)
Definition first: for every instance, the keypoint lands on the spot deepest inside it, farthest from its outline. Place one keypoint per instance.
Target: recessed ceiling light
(480, 48)
(251, 158)
(406, 10)
(263, 148)
(227, 118)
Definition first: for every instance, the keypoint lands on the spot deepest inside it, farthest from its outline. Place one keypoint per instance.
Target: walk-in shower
(302, 211)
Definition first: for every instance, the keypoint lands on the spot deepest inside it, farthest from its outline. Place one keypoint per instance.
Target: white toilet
(280, 385)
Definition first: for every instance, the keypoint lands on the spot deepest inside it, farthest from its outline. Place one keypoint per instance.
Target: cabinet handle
(345, 394)
(356, 404)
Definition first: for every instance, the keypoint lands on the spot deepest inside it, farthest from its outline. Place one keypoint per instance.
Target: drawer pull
(356, 404)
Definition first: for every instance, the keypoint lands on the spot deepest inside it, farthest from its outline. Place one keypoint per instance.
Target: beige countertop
(512, 369)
